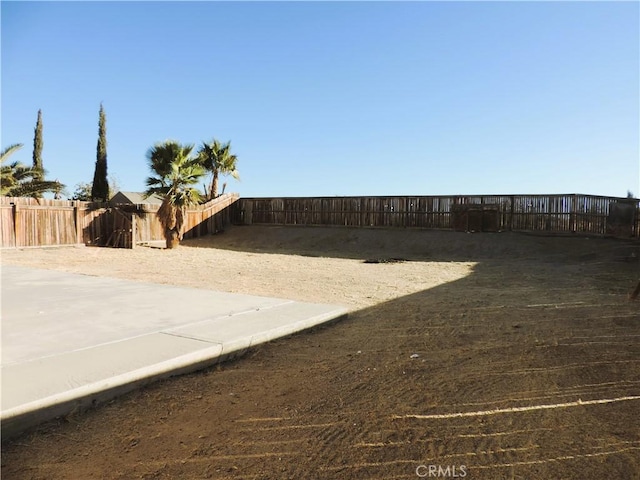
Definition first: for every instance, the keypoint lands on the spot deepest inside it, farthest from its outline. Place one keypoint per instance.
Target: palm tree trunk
(214, 186)
(172, 238)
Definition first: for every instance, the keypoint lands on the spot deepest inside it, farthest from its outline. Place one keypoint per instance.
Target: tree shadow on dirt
(518, 370)
(416, 244)
(539, 321)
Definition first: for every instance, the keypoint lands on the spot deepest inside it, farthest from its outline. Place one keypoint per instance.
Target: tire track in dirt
(320, 405)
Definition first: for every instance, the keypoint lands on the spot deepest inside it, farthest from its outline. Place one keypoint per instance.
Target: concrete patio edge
(16, 420)
(60, 355)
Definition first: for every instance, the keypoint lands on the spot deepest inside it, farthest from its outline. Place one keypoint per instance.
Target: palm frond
(35, 188)
(157, 186)
(217, 159)
(19, 180)
(6, 152)
(176, 171)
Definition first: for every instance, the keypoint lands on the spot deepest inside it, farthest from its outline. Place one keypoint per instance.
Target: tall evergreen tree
(100, 189)
(38, 169)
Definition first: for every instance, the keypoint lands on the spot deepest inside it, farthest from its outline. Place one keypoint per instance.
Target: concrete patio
(70, 341)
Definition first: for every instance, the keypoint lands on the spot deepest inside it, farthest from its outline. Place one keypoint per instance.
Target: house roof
(135, 198)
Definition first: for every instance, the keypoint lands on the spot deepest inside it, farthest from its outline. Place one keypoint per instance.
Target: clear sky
(335, 98)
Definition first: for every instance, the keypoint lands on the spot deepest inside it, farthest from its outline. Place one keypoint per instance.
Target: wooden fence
(556, 214)
(30, 222)
(205, 219)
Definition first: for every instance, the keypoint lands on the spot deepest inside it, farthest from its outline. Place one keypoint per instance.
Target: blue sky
(335, 98)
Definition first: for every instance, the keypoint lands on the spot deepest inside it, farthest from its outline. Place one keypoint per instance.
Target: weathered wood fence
(205, 219)
(556, 214)
(30, 222)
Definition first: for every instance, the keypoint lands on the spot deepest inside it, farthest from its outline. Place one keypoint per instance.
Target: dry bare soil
(484, 356)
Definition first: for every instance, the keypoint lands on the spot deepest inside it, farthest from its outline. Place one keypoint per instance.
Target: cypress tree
(100, 188)
(37, 148)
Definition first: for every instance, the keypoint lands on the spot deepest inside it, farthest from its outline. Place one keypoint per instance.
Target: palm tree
(19, 180)
(216, 157)
(176, 171)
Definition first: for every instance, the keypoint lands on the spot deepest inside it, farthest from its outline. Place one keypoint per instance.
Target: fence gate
(112, 227)
(476, 217)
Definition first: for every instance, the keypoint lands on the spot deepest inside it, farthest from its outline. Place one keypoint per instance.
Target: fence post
(133, 229)
(76, 219)
(511, 214)
(572, 214)
(636, 223)
(14, 208)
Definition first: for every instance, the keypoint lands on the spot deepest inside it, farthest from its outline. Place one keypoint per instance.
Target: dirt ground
(482, 356)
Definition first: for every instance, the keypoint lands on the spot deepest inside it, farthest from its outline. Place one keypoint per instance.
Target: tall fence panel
(7, 224)
(200, 220)
(556, 214)
(29, 222)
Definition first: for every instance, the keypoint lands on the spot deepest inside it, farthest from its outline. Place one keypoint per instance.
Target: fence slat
(554, 214)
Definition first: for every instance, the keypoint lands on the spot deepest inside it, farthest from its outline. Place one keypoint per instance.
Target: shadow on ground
(417, 244)
(528, 368)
